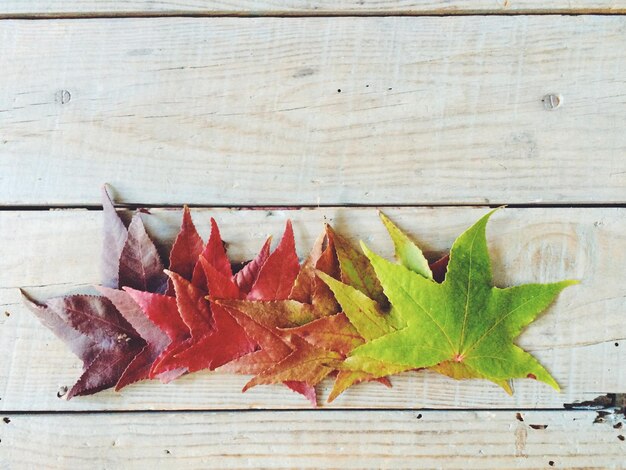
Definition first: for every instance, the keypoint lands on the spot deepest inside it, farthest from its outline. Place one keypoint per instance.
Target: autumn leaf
(368, 317)
(407, 253)
(247, 276)
(140, 265)
(215, 338)
(156, 339)
(335, 334)
(306, 363)
(129, 257)
(311, 314)
(106, 342)
(273, 349)
(369, 322)
(215, 253)
(366, 321)
(314, 350)
(366, 314)
(114, 238)
(272, 346)
(278, 273)
(162, 311)
(356, 269)
(308, 287)
(265, 320)
(464, 326)
(80, 344)
(439, 268)
(343, 312)
(185, 251)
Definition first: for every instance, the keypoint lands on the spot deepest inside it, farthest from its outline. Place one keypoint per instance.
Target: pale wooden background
(258, 111)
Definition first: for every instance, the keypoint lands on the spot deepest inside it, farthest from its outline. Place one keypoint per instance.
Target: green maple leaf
(463, 327)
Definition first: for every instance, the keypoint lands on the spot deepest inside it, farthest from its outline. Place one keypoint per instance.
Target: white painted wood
(232, 111)
(318, 7)
(356, 439)
(581, 340)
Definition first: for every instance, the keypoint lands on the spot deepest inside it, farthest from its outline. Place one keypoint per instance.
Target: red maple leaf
(215, 337)
(156, 339)
(278, 274)
(185, 251)
(284, 356)
(163, 313)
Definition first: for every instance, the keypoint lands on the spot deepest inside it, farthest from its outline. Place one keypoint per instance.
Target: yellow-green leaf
(464, 320)
(407, 252)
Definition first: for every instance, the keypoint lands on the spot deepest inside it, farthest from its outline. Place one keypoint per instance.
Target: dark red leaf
(114, 237)
(80, 344)
(439, 268)
(156, 339)
(140, 264)
(114, 339)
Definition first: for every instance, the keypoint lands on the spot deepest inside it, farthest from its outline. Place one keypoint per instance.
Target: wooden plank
(582, 340)
(232, 111)
(357, 439)
(305, 7)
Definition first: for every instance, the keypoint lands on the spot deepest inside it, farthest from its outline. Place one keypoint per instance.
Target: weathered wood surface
(247, 111)
(305, 7)
(346, 439)
(581, 340)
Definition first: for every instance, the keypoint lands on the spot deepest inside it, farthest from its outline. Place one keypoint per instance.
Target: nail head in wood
(552, 101)
(63, 96)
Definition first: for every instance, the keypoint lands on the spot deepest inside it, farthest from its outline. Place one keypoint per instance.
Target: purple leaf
(114, 238)
(140, 265)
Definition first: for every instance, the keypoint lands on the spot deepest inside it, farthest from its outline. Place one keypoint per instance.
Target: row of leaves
(342, 312)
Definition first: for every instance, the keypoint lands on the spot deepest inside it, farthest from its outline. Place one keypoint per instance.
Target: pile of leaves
(343, 312)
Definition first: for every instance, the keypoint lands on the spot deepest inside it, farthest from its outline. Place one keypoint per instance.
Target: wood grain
(308, 111)
(356, 439)
(581, 340)
(305, 7)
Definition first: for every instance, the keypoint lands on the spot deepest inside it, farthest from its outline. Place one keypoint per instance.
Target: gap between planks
(313, 14)
(135, 206)
(207, 8)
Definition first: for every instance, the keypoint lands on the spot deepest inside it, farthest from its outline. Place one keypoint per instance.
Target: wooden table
(257, 111)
